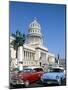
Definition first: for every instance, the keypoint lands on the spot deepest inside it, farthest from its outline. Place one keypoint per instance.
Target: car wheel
(26, 83)
(10, 85)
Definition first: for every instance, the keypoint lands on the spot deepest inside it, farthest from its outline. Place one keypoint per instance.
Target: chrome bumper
(49, 81)
(15, 82)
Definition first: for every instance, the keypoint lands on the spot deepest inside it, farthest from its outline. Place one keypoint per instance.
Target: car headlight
(20, 76)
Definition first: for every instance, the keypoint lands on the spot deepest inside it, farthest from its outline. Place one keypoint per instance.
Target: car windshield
(27, 70)
(56, 70)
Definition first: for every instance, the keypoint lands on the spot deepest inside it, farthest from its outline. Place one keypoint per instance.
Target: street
(37, 84)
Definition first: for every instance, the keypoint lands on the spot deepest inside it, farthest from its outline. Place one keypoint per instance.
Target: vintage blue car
(54, 75)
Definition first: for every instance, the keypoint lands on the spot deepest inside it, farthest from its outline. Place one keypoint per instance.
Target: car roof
(57, 68)
(32, 67)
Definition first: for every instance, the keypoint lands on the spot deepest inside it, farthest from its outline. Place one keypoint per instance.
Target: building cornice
(43, 48)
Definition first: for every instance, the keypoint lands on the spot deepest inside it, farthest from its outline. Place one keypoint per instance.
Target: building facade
(34, 52)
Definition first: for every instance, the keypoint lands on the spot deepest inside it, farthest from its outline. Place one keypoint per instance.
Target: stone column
(20, 57)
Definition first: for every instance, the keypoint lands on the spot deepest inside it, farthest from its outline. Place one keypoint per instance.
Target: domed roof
(34, 24)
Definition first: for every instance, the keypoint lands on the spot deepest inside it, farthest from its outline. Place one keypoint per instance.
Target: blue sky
(51, 18)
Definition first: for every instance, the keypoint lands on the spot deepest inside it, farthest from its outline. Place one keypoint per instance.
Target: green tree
(18, 41)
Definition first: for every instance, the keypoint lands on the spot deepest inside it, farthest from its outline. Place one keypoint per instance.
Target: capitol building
(34, 52)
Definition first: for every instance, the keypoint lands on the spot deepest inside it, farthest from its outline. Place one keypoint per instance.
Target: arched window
(33, 24)
(33, 30)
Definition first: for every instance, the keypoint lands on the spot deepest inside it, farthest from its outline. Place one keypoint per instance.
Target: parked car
(54, 75)
(27, 76)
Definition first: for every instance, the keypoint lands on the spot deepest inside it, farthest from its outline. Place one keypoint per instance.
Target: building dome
(34, 24)
(34, 27)
(34, 32)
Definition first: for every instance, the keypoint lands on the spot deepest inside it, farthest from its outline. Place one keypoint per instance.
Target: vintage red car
(27, 76)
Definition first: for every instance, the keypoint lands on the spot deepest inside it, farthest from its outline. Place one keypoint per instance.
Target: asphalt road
(37, 84)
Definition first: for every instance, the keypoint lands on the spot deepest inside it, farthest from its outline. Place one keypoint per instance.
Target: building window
(33, 24)
(40, 63)
(33, 30)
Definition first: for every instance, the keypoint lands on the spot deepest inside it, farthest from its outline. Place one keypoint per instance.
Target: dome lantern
(34, 24)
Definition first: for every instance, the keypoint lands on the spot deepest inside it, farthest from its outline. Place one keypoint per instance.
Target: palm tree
(18, 41)
(15, 42)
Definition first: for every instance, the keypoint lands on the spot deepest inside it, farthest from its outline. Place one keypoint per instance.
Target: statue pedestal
(20, 57)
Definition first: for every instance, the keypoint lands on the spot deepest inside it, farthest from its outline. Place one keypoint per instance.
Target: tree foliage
(19, 39)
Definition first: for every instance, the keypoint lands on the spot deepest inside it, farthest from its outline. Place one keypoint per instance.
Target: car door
(38, 73)
(32, 76)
